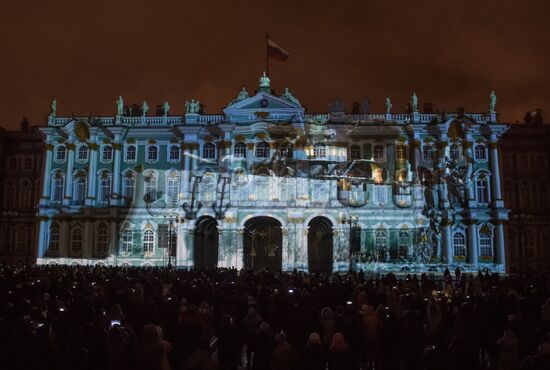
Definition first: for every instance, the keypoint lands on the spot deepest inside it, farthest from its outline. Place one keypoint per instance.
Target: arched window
(400, 152)
(404, 242)
(6, 234)
(378, 152)
(428, 153)
(53, 245)
(152, 153)
(130, 153)
(105, 187)
(107, 153)
(525, 194)
(208, 188)
(60, 153)
(76, 240)
(286, 150)
(172, 188)
(380, 243)
(128, 186)
(355, 152)
(459, 244)
(480, 152)
(509, 198)
(21, 238)
(482, 189)
(319, 150)
(82, 153)
(10, 194)
(239, 151)
(79, 191)
(25, 193)
(127, 240)
(454, 151)
(151, 183)
(262, 150)
(208, 151)
(57, 187)
(148, 241)
(485, 242)
(102, 239)
(174, 153)
(542, 194)
(530, 243)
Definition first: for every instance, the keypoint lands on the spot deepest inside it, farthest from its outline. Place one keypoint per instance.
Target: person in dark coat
(263, 348)
(315, 357)
(339, 355)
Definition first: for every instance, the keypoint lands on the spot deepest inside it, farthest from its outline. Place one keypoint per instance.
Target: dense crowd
(60, 317)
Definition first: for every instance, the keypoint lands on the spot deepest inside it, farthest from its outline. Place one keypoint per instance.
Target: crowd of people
(60, 317)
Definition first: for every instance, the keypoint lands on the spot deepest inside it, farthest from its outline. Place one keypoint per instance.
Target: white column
(116, 196)
(186, 158)
(113, 240)
(92, 176)
(181, 245)
(190, 244)
(472, 242)
(500, 248)
(287, 260)
(69, 174)
(448, 244)
(88, 243)
(43, 238)
(222, 255)
(495, 178)
(239, 263)
(46, 182)
(470, 195)
(249, 155)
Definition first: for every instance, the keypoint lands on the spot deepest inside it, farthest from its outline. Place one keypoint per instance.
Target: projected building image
(268, 185)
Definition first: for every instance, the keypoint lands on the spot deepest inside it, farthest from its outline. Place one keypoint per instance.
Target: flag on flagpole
(276, 52)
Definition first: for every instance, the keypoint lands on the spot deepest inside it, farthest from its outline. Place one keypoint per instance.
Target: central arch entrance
(205, 246)
(263, 241)
(320, 245)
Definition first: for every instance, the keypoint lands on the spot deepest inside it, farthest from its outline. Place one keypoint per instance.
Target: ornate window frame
(239, 149)
(126, 147)
(148, 152)
(169, 153)
(104, 148)
(377, 155)
(480, 147)
(56, 150)
(79, 151)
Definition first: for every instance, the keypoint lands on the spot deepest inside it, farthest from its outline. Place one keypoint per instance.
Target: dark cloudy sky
(452, 53)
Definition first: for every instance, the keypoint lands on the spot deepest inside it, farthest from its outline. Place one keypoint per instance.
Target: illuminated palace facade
(266, 185)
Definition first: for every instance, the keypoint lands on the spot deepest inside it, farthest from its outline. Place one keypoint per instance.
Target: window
(262, 150)
(13, 163)
(27, 163)
(105, 187)
(459, 244)
(404, 242)
(428, 153)
(150, 188)
(542, 195)
(400, 152)
(10, 195)
(174, 153)
(79, 191)
(287, 189)
(172, 188)
(25, 193)
(479, 152)
(209, 151)
(525, 194)
(54, 238)
(286, 150)
(208, 189)
(355, 152)
(530, 243)
(380, 243)
(378, 152)
(130, 153)
(57, 188)
(76, 240)
(152, 153)
(482, 189)
(21, 238)
(380, 194)
(485, 243)
(319, 150)
(128, 187)
(148, 241)
(6, 236)
(60, 153)
(82, 153)
(127, 240)
(102, 239)
(454, 151)
(509, 193)
(239, 151)
(107, 153)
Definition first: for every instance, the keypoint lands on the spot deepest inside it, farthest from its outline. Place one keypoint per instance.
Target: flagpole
(267, 55)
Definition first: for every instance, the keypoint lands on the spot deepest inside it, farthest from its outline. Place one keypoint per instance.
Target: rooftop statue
(288, 96)
(264, 81)
(243, 94)
(144, 108)
(388, 105)
(493, 101)
(192, 107)
(120, 106)
(53, 112)
(414, 102)
(165, 108)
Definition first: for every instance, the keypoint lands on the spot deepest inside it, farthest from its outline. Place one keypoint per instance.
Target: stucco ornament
(388, 105)
(120, 106)
(165, 108)
(192, 107)
(144, 108)
(288, 96)
(493, 101)
(53, 112)
(414, 102)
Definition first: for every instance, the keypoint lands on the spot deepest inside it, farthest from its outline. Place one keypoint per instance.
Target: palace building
(267, 185)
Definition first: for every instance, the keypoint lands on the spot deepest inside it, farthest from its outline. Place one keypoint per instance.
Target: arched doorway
(205, 246)
(319, 245)
(263, 242)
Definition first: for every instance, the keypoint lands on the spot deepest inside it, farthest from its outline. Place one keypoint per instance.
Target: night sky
(452, 53)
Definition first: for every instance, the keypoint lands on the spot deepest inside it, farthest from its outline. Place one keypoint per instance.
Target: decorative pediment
(263, 106)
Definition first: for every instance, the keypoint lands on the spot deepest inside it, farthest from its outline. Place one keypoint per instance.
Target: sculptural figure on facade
(192, 107)
(120, 106)
(388, 105)
(243, 94)
(288, 96)
(414, 102)
(144, 108)
(53, 112)
(165, 108)
(493, 101)
(264, 80)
